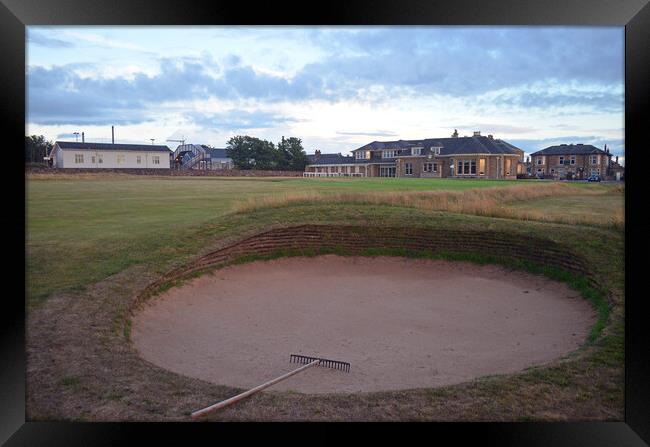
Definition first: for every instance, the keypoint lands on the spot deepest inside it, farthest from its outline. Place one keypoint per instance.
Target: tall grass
(490, 202)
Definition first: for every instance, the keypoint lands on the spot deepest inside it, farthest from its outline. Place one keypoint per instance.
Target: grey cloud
(43, 40)
(238, 119)
(378, 133)
(616, 146)
(444, 60)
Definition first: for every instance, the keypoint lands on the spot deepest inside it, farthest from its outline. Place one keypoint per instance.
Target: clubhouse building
(461, 157)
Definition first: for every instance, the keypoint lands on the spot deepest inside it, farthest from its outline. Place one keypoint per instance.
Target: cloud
(503, 68)
(616, 146)
(40, 39)
(239, 119)
(378, 133)
(499, 128)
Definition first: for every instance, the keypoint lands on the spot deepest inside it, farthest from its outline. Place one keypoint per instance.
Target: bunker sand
(401, 323)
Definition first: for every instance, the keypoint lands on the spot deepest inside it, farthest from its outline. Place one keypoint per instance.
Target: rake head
(334, 364)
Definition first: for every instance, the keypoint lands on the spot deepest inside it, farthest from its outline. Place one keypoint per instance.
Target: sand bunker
(401, 323)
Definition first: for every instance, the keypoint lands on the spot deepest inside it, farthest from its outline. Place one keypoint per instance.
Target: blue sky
(337, 88)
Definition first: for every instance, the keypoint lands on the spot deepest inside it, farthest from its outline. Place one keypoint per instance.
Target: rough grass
(490, 201)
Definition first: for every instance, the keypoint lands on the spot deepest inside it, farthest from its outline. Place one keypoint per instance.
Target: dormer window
(388, 154)
(435, 150)
(416, 151)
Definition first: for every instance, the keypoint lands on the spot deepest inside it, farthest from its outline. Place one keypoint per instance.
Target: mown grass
(83, 228)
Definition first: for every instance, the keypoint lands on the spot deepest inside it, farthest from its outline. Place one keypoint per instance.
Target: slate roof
(215, 152)
(570, 149)
(111, 147)
(329, 159)
(449, 146)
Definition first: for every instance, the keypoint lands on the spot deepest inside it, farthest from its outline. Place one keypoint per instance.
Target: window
(138, 159)
(430, 167)
(416, 151)
(573, 159)
(155, 159)
(99, 158)
(92, 159)
(594, 159)
(539, 160)
(120, 159)
(472, 165)
(359, 155)
(388, 154)
(408, 168)
(78, 158)
(481, 166)
(465, 166)
(459, 171)
(561, 159)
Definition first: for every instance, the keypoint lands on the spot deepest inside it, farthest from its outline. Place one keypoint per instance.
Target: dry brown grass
(490, 202)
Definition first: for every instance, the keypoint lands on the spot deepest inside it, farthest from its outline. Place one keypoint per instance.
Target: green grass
(81, 230)
(596, 207)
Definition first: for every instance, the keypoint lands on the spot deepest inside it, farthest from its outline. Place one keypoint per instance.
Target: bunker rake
(306, 361)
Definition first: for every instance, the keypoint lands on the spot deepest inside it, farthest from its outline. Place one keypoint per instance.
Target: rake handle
(245, 394)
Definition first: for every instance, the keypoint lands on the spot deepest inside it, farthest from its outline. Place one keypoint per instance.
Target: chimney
(317, 154)
(477, 133)
(491, 137)
(617, 159)
(113, 134)
(83, 139)
(455, 134)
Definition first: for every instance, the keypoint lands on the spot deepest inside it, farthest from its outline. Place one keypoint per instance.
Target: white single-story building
(71, 154)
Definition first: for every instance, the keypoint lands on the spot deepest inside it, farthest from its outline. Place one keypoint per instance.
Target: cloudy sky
(337, 88)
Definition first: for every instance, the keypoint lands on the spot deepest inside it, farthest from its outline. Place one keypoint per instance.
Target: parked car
(594, 178)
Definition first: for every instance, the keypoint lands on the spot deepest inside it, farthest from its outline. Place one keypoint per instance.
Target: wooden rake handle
(237, 398)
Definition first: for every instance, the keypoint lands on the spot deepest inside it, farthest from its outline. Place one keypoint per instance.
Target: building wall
(417, 164)
(491, 166)
(128, 159)
(582, 168)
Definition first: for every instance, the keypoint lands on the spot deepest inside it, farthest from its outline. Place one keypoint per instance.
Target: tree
(297, 158)
(291, 154)
(251, 153)
(239, 150)
(36, 148)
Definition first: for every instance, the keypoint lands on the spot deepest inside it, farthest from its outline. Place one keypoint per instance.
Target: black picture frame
(15, 15)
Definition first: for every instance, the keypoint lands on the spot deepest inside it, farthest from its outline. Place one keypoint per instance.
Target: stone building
(571, 162)
(460, 157)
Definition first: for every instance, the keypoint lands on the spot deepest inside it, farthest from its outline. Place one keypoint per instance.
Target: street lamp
(76, 136)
